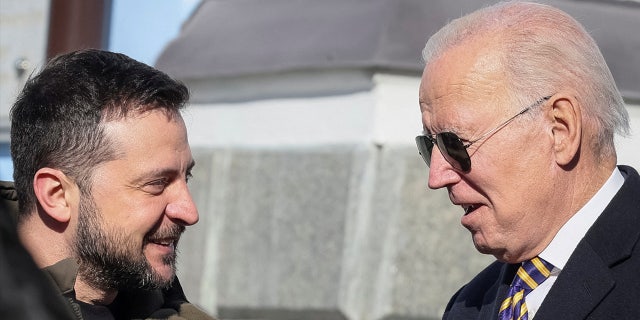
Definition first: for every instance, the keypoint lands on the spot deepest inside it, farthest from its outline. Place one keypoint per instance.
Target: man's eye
(188, 176)
(155, 186)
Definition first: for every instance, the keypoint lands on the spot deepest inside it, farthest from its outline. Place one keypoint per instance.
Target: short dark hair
(56, 119)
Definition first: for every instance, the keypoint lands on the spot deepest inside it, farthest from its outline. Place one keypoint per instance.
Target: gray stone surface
(333, 232)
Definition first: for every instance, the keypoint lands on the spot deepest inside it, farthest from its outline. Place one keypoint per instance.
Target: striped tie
(530, 275)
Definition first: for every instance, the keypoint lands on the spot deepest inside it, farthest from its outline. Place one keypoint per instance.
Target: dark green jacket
(25, 292)
(138, 304)
(8, 202)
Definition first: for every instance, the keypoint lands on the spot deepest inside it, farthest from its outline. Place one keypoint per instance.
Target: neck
(87, 293)
(48, 245)
(587, 181)
(570, 192)
(577, 187)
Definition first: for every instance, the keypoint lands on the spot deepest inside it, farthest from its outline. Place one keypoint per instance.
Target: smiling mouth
(165, 242)
(167, 237)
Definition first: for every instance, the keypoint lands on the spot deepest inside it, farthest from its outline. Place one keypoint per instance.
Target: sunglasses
(453, 149)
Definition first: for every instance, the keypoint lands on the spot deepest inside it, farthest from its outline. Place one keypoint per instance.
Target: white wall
(387, 114)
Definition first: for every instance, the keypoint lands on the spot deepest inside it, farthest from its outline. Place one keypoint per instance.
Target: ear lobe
(52, 188)
(567, 129)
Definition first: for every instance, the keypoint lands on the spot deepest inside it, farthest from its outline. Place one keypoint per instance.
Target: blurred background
(312, 197)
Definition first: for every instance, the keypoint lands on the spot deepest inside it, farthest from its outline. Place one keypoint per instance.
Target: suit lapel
(587, 279)
(507, 273)
(583, 283)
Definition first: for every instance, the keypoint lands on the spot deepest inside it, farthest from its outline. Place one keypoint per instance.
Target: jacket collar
(63, 274)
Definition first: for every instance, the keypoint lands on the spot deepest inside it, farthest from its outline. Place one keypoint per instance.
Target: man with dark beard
(101, 162)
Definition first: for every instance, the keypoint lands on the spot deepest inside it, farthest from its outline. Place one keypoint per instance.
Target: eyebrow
(160, 172)
(454, 130)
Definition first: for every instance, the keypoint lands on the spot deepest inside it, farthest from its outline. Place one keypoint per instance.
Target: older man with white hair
(523, 109)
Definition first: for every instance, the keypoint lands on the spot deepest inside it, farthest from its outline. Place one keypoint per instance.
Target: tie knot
(529, 276)
(532, 273)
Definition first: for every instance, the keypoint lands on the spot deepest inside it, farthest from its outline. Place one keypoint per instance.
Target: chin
(480, 243)
(486, 249)
(166, 282)
(163, 269)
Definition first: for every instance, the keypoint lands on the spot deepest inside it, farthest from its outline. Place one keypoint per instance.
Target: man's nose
(441, 173)
(182, 208)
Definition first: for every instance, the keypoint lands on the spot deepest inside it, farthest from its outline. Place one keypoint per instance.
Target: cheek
(519, 170)
(135, 219)
(506, 210)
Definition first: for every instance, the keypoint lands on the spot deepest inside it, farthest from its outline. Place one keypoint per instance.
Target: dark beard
(110, 260)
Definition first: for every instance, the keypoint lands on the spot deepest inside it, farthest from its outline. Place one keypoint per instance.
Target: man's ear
(53, 189)
(566, 128)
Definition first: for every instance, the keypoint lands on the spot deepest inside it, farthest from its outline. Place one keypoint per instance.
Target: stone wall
(332, 232)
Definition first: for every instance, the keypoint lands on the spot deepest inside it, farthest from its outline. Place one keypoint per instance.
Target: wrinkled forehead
(469, 75)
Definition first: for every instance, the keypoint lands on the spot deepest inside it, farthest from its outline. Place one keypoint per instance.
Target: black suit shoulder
(479, 294)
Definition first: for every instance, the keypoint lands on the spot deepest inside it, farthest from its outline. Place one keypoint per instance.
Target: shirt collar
(566, 240)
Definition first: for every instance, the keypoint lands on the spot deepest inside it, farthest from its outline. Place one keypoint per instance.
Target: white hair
(544, 50)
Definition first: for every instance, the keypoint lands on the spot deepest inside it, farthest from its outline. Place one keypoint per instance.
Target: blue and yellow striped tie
(529, 276)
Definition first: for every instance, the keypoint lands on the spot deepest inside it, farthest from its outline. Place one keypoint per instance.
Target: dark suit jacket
(601, 279)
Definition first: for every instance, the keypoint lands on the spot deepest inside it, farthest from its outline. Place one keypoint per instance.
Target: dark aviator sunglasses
(453, 149)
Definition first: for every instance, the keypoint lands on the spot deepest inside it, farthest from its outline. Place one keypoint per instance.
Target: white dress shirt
(565, 241)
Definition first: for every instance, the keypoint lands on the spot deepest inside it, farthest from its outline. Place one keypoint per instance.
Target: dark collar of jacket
(8, 201)
(131, 304)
